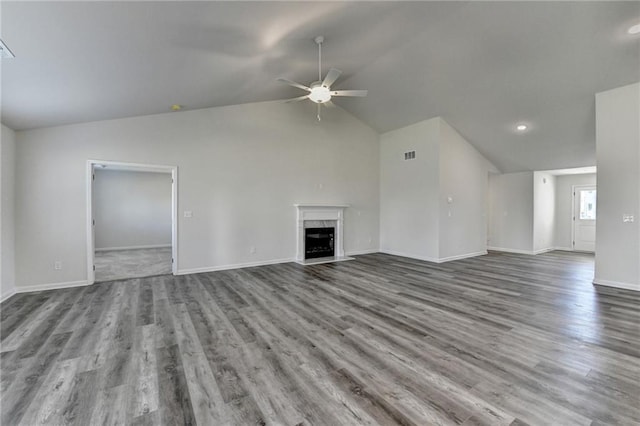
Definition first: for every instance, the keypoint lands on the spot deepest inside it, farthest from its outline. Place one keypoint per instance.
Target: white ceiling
(482, 66)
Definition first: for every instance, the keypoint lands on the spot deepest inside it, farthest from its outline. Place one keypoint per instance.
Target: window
(588, 205)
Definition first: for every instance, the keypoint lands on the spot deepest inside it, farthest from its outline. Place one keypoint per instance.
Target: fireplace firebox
(319, 242)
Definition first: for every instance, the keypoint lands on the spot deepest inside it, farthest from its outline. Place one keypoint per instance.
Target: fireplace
(320, 233)
(319, 242)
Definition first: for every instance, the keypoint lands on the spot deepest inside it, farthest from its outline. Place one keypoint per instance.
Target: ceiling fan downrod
(319, 40)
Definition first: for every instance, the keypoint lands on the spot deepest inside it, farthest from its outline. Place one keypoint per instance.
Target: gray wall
(416, 219)
(241, 169)
(131, 209)
(409, 217)
(511, 212)
(7, 203)
(464, 177)
(544, 211)
(617, 148)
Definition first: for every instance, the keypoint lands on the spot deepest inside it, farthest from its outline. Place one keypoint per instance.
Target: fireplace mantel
(320, 212)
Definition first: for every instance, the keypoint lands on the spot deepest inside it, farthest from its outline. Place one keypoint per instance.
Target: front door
(584, 218)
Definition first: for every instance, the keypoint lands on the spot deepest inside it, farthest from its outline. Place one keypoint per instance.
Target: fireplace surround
(320, 216)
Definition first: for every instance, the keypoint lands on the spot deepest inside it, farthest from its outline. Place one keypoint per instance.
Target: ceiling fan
(320, 91)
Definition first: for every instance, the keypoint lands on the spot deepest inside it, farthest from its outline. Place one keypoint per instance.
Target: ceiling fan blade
(331, 77)
(299, 98)
(294, 84)
(349, 93)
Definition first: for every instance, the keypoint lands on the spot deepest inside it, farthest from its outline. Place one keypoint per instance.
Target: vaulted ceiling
(482, 66)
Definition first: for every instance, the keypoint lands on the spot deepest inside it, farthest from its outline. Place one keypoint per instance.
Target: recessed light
(521, 127)
(634, 29)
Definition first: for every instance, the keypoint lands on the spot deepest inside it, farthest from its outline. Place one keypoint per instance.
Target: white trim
(360, 252)
(51, 286)
(508, 250)
(152, 246)
(8, 295)
(563, 248)
(410, 256)
(321, 260)
(461, 256)
(91, 275)
(157, 168)
(233, 266)
(617, 284)
(309, 212)
(544, 250)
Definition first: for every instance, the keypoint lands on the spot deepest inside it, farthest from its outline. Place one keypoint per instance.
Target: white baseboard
(360, 252)
(134, 247)
(461, 256)
(544, 250)
(409, 255)
(51, 286)
(8, 295)
(531, 252)
(233, 266)
(432, 259)
(508, 250)
(617, 284)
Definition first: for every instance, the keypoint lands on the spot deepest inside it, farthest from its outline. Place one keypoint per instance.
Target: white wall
(618, 161)
(409, 191)
(464, 179)
(7, 203)
(564, 207)
(511, 212)
(416, 220)
(131, 209)
(544, 212)
(240, 170)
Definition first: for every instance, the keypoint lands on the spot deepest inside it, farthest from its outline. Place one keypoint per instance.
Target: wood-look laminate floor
(135, 263)
(499, 339)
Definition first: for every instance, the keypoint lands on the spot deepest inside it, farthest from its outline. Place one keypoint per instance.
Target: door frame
(119, 165)
(574, 189)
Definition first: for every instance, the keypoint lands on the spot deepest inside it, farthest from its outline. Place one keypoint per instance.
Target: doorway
(584, 218)
(131, 220)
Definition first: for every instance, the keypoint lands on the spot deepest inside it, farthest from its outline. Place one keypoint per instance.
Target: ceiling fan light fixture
(320, 94)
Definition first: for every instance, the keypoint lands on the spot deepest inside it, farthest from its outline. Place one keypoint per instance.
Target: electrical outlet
(188, 214)
(57, 265)
(252, 250)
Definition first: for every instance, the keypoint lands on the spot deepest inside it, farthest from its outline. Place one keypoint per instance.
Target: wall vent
(410, 155)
